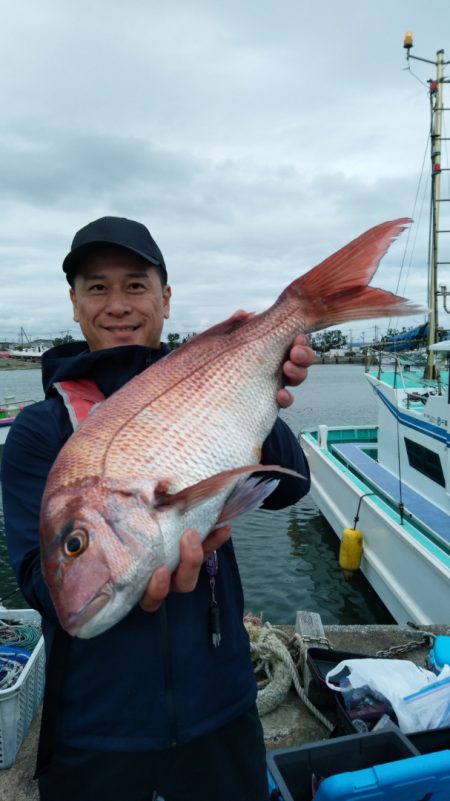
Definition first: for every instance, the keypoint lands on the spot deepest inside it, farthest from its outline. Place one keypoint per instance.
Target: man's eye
(136, 286)
(97, 288)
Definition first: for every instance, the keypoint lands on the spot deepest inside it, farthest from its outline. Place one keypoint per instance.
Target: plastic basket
(19, 703)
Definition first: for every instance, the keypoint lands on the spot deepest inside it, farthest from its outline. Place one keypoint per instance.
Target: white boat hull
(407, 569)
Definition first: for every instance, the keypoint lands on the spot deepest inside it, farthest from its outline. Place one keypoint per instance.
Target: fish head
(99, 546)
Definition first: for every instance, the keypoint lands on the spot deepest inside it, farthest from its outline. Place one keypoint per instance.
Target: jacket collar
(109, 368)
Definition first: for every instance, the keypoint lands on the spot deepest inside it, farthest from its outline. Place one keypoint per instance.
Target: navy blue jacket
(152, 679)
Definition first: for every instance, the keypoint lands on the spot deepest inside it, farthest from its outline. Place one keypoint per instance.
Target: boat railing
(11, 408)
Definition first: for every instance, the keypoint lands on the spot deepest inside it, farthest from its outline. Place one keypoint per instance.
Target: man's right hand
(193, 552)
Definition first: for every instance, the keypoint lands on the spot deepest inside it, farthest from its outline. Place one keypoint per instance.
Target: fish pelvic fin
(337, 290)
(208, 487)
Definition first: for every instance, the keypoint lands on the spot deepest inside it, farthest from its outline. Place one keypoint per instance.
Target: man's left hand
(295, 369)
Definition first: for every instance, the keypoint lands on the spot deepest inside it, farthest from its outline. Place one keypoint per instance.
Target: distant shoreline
(345, 360)
(23, 364)
(19, 364)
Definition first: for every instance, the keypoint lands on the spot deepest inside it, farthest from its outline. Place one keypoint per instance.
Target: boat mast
(437, 108)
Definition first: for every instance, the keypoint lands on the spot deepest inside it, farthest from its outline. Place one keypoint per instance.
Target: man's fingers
(294, 372)
(284, 398)
(192, 555)
(191, 559)
(215, 540)
(157, 589)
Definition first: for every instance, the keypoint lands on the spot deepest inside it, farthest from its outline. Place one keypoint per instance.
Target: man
(151, 705)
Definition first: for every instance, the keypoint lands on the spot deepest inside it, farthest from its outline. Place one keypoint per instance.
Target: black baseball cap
(113, 231)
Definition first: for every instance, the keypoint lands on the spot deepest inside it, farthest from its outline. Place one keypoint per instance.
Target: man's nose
(117, 303)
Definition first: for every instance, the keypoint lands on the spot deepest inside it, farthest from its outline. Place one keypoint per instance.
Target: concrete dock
(290, 724)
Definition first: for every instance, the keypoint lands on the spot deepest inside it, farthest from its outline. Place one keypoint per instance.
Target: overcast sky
(253, 138)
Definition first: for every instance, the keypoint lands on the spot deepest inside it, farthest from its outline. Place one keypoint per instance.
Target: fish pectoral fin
(208, 487)
(246, 497)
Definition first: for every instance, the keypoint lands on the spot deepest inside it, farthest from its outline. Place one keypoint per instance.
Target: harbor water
(288, 559)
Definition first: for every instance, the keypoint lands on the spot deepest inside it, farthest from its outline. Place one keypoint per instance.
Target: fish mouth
(83, 619)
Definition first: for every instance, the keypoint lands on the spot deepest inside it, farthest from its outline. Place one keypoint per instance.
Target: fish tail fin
(337, 290)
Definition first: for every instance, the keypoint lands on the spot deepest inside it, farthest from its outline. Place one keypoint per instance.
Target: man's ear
(167, 294)
(73, 298)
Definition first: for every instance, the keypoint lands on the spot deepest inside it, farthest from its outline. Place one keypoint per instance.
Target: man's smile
(120, 328)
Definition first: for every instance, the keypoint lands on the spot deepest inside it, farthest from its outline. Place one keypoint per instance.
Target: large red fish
(165, 451)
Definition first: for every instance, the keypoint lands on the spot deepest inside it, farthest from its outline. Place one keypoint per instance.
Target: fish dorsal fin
(208, 487)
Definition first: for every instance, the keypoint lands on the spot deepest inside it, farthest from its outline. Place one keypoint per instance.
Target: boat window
(425, 461)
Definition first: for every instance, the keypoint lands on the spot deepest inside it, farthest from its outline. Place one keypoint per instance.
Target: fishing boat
(390, 481)
(8, 413)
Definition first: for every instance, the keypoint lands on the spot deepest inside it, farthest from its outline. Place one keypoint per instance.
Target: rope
(20, 635)
(269, 648)
(23, 635)
(10, 670)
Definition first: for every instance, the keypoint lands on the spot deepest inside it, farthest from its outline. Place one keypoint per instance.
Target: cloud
(253, 139)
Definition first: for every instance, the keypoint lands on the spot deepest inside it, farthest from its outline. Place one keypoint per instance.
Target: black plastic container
(426, 741)
(320, 661)
(348, 724)
(293, 768)
(430, 740)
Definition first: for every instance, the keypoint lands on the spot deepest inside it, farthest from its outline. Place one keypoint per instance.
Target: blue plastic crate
(414, 779)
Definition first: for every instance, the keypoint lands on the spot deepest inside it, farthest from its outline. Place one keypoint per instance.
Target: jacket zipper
(168, 674)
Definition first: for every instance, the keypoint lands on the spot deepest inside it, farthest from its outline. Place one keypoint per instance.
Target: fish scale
(174, 416)
(164, 452)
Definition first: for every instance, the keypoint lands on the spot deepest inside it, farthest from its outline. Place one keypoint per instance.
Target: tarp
(408, 340)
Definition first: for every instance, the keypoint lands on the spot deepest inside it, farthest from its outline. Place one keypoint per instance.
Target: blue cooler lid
(440, 653)
(426, 776)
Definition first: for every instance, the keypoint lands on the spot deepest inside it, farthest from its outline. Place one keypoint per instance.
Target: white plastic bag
(393, 678)
(430, 706)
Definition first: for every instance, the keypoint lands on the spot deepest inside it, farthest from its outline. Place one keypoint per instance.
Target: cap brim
(72, 260)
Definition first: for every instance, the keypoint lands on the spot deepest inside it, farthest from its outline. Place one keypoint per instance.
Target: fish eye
(76, 543)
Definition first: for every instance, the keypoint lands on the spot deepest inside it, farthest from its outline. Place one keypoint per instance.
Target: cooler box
(431, 740)
(293, 769)
(420, 778)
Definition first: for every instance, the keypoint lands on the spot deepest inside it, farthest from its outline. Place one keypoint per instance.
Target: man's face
(118, 299)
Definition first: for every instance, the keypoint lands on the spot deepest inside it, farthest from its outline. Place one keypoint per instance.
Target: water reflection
(289, 561)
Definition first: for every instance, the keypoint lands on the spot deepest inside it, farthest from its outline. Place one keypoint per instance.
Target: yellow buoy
(350, 551)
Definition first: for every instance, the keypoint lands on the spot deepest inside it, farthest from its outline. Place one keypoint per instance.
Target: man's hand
(192, 555)
(301, 356)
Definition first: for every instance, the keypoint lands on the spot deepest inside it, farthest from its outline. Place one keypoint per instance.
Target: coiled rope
(10, 671)
(269, 647)
(15, 634)
(24, 635)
